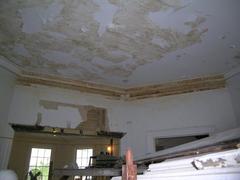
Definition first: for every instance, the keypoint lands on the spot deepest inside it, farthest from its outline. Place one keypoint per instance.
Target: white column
(7, 84)
(5, 150)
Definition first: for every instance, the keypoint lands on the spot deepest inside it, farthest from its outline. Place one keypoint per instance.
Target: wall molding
(128, 94)
(109, 91)
(178, 87)
(118, 93)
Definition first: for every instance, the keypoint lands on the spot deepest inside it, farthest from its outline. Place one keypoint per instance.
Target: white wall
(7, 83)
(193, 113)
(186, 114)
(233, 83)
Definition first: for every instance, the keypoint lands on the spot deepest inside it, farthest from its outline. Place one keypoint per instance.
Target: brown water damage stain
(94, 118)
(70, 30)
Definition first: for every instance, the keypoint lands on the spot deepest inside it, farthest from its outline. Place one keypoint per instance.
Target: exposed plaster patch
(79, 72)
(161, 42)
(213, 163)
(32, 23)
(223, 159)
(53, 105)
(195, 23)
(59, 57)
(35, 17)
(105, 15)
(170, 16)
(92, 118)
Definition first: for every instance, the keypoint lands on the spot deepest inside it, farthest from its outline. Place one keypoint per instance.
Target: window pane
(45, 171)
(46, 161)
(34, 152)
(78, 162)
(33, 161)
(40, 159)
(82, 159)
(84, 153)
(48, 153)
(83, 156)
(40, 152)
(84, 162)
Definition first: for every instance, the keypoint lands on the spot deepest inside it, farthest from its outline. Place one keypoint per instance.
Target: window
(40, 159)
(164, 143)
(82, 159)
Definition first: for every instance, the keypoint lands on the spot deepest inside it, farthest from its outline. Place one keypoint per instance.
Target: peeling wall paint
(137, 118)
(88, 118)
(188, 168)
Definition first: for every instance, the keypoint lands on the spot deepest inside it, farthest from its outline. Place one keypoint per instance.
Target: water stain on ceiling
(104, 41)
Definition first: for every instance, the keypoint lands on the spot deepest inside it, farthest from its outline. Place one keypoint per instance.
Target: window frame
(38, 147)
(75, 157)
(179, 132)
(82, 148)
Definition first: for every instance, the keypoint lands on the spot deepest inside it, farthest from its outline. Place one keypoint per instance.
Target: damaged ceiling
(121, 43)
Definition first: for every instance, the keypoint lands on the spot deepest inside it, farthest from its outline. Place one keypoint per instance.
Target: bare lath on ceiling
(122, 43)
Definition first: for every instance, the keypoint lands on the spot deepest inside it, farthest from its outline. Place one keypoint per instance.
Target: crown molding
(178, 87)
(126, 94)
(109, 91)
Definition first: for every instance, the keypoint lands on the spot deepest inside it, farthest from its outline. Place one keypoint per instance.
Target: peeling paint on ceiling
(121, 42)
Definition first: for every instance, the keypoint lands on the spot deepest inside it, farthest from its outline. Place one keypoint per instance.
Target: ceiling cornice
(129, 94)
(178, 87)
(81, 86)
